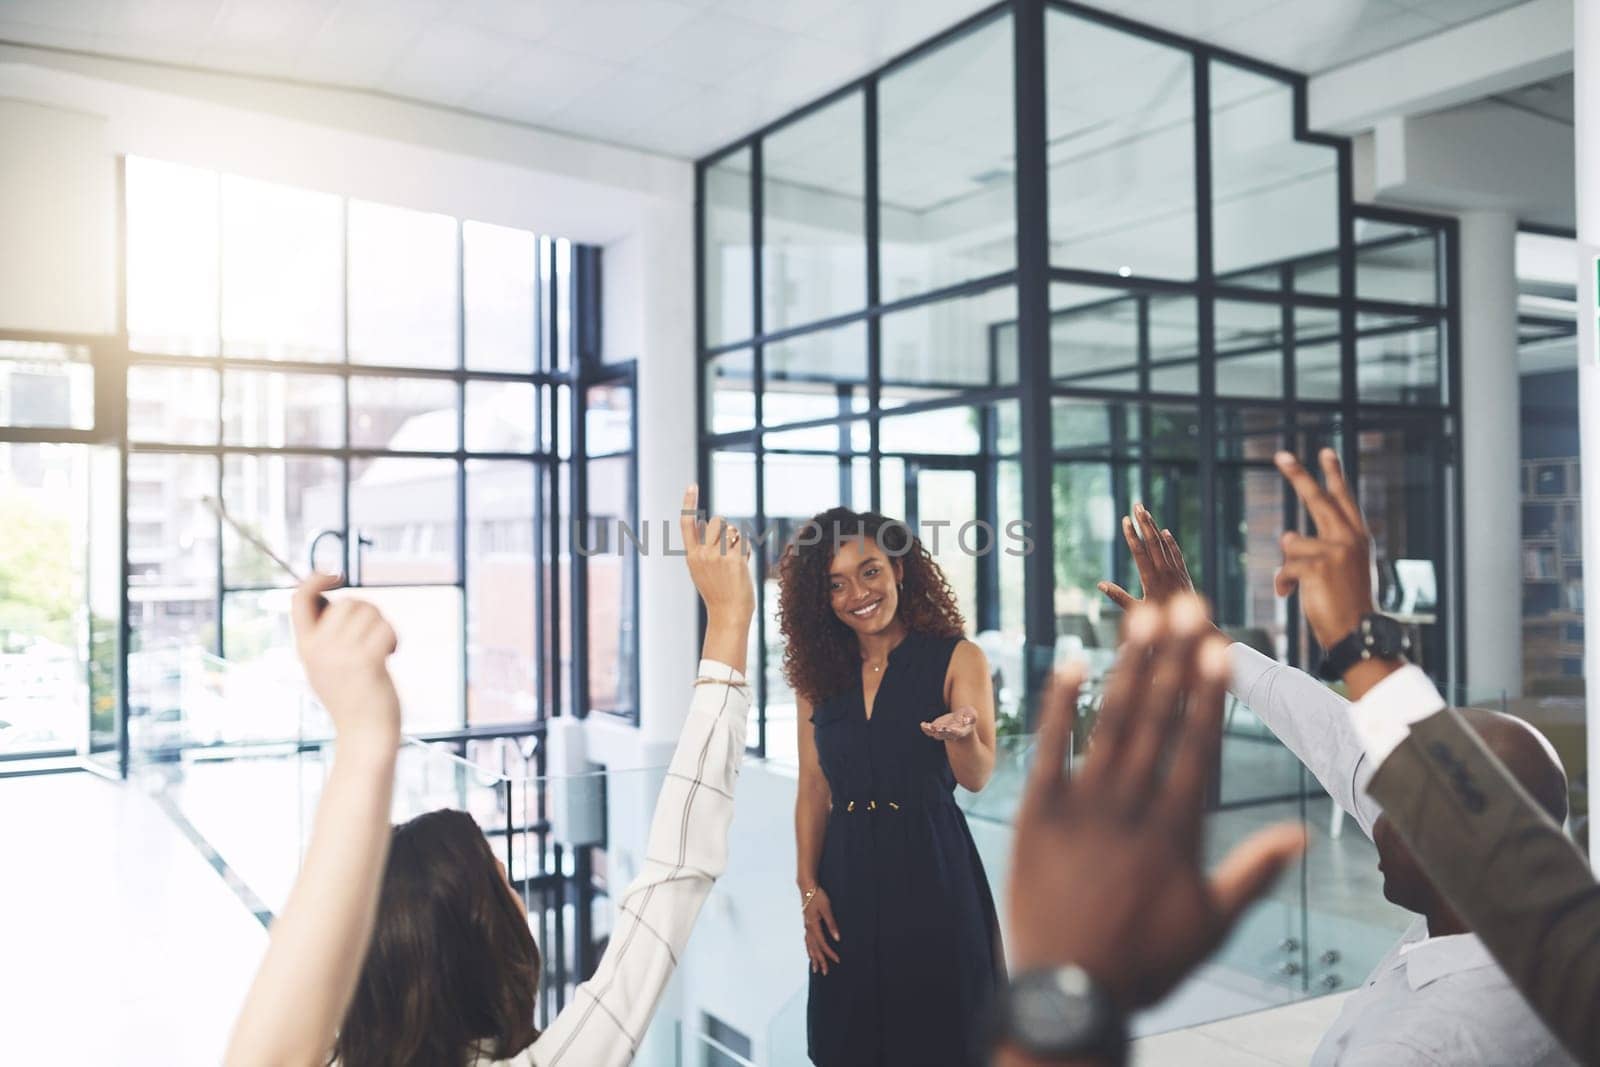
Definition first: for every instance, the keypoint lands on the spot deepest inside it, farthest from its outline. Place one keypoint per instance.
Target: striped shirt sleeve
(686, 852)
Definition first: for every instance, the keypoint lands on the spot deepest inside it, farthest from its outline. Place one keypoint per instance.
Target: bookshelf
(1552, 575)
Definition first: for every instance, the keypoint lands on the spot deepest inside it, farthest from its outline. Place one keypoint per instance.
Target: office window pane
(608, 418)
(502, 664)
(500, 416)
(1095, 428)
(402, 287)
(851, 435)
(403, 520)
(1174, 345)
(729, 260)
(285, 501)
(948, 347)
(1316, 354)
(730, 398)
(1398, 263)
(44, 577)
(1094, 337)
(1120, 118)
(172, 405)
(282, 258)
(1249, 346)
(172, 258)
(732, 494)
(427, 665)
(1405, 478)
(813, 236)
(946, 164)
(172, 551)
(403, 414)
(1088, 499)
(1274, 199)
(611, 625)
(46, 386)
(1397, 359)
(282, 410)
(1250, 517)
(502, 272)
(815, 376)
(943, 431)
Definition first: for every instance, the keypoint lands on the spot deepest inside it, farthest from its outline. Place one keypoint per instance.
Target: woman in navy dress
(895, 709)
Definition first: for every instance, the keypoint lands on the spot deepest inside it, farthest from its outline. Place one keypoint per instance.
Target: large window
(367, 390)
(1201, 290)
(1102, 267)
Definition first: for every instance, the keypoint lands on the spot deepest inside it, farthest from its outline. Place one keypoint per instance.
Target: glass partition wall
(415, 401)
(1047, 265)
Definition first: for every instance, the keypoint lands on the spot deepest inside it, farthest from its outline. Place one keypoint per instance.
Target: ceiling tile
(360, 41)
(81, 15)
(790, 16)
(448, 64)
(540, 81)
(529, 20)
(619, 30)
(711, 48)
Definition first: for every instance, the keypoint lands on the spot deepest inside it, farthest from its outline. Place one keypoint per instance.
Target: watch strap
(1376, 636)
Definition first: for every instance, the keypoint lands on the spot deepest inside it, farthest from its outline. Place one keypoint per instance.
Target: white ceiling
(680, 77)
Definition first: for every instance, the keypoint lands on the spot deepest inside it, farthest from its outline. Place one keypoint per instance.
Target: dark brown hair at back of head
(453, 969)
(821, 656)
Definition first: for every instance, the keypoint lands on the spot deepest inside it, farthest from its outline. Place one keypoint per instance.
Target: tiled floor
(118, 943)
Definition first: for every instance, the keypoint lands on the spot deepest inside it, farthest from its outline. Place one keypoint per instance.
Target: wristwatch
(1061, 1012)
(1377, 637)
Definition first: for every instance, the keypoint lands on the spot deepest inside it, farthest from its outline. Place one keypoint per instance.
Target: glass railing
(740, 993)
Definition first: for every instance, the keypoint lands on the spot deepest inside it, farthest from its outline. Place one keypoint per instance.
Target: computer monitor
(1417, 586)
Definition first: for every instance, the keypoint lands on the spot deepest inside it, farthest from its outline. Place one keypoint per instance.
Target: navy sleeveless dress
(919, 950)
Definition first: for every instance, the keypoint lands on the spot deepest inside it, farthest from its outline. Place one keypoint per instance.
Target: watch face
(1058, 1012)
(1052, 1019)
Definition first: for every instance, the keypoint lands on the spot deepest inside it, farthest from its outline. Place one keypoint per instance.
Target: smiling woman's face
(862, 586)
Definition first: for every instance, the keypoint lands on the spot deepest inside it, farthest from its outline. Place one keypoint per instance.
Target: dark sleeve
(1505, 866)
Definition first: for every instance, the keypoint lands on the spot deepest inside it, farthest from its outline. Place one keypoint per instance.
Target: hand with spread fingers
(1163, 574)
(1333, 569)
(1106, 867)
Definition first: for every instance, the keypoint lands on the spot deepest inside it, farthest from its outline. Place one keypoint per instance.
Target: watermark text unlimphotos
(976, 538)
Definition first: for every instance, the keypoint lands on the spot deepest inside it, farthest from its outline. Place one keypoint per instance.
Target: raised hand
(345, 646)
(957, 725)
(719, 563)
(1163, 574)
(1333, 570)
(1105, 868)
(822, 930)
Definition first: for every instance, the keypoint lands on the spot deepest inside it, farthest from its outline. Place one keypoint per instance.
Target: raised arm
(1505, 866)
(305, 983)
(1309, 718)
(687, 849)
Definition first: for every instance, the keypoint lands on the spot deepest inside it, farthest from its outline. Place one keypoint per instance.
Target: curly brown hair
(821, 657)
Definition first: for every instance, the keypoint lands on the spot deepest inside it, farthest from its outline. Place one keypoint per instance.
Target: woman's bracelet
(806, 899)
(706, 679)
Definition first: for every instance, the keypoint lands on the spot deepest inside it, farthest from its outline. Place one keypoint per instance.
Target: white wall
(56, 220)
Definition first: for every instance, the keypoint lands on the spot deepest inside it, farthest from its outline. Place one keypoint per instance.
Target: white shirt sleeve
(1313, 722)
(686, 852)
(1382, 719)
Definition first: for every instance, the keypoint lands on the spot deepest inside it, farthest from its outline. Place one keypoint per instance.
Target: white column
(1491, 453)
(1586, 129)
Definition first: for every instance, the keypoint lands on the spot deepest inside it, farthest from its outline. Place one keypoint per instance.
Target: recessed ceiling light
(1124, 271)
